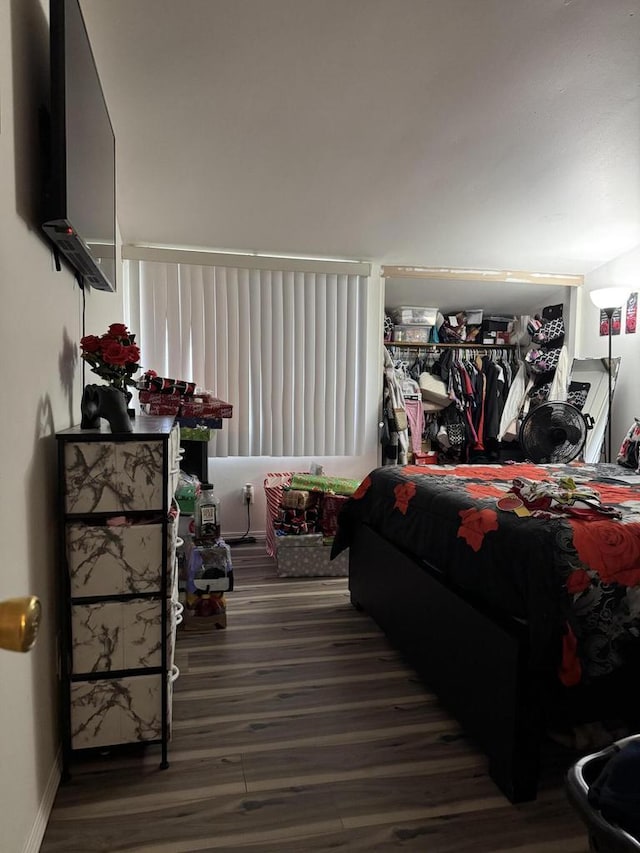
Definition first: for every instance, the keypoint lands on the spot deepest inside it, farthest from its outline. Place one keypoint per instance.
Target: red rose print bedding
(556, 546)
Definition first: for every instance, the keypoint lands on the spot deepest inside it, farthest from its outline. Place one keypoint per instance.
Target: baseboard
(39, 827)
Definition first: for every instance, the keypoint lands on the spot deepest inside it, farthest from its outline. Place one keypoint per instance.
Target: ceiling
(467, 133)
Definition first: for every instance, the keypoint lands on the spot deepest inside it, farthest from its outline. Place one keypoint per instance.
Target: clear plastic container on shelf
(210, 568)
(412, 334)
(415, 315)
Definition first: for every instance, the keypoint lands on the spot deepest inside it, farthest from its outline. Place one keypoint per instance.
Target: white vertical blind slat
(256, 374)
(266, 346)
(173, 322)
(353, 350)
(277, 363)
(343, 365)
(289, 389)
(331, 306)
(298, 366)
(242, 426)
(320, 365)
(309, 298)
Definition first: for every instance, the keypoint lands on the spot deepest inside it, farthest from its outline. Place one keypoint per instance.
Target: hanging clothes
(395, 433)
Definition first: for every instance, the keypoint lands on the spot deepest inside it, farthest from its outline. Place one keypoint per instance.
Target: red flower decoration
(610, 548)
(118, 330)
(475, 523)
(90, 343)
(404, 492)
(114, 353)
(362, 489)
(113, 356)
(570, 669)
(578, 581)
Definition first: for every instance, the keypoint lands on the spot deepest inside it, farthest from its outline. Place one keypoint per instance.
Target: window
(286, 347)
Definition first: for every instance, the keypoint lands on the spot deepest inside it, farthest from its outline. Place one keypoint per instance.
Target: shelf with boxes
(118, 594)
(302, 518)
(417, 325)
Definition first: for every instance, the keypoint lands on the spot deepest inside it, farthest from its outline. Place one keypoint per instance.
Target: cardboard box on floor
(297, 558)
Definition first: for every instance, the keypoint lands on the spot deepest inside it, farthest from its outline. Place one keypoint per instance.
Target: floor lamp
(609, 299)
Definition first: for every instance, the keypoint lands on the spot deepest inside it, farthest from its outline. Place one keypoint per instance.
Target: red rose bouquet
(114, 356)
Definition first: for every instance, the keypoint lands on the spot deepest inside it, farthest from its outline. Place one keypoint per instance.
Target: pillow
(628, 455)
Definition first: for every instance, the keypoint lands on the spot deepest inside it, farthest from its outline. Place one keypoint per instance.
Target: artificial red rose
(578, 581)
(90, 343)
(114, 353)
(475, 523)
(118, 330)
(362, 488)
(133, 354)
(610, 548)
(404, 492)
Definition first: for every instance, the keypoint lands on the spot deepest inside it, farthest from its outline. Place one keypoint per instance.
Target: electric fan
(554, 432)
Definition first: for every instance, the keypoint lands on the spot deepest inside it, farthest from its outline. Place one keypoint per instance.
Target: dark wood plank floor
(298, 728)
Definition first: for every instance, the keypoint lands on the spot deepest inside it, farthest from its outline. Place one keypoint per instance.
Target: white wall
(40, 329)
(230, 474)
(623, 271)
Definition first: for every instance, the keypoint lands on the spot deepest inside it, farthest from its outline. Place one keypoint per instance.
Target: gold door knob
(19, 623)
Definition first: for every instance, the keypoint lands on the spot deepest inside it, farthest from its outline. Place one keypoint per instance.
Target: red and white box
(331, 507)
(197, 406)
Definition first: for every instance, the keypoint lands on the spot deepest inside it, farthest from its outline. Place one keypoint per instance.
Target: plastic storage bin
(415, 315)
(604, 837)
(412, 334)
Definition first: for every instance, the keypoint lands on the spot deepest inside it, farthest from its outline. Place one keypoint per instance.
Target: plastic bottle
(207, 515)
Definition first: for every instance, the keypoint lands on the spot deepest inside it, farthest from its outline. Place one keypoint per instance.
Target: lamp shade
(609, 297)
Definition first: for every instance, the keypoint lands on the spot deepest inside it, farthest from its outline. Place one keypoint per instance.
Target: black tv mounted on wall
(80, 195)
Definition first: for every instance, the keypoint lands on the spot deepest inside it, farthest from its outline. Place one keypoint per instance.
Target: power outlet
(247, 494)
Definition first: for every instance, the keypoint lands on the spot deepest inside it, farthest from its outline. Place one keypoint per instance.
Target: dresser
(118, 584)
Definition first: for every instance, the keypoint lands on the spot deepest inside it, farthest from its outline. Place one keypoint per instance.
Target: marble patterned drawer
(113, 476)
(175, 455)
(107, 712)
(114, 635)
(114, 560)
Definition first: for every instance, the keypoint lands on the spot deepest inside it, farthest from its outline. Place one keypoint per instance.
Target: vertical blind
(286, 348)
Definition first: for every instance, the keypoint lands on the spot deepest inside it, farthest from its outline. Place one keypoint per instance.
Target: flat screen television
(80, 194)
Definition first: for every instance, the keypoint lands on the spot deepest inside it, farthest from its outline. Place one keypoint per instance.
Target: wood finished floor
(299, 729)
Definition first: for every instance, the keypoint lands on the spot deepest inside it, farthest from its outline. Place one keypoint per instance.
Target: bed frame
(474, 660)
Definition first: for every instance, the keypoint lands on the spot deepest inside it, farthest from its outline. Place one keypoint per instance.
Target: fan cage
(546, 433)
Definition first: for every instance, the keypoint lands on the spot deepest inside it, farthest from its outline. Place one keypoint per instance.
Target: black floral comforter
(573, 575)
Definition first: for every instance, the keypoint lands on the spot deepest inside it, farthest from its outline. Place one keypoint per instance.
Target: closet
(477, 373)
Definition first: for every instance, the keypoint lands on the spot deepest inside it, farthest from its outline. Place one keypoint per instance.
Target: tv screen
(80, 196)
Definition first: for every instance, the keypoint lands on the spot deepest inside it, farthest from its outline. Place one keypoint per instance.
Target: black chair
(604, 836)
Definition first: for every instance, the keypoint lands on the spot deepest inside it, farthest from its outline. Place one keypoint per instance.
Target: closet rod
(462, 344)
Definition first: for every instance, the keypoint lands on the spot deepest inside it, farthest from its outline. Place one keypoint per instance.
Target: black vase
(129, 395)
(105, 401)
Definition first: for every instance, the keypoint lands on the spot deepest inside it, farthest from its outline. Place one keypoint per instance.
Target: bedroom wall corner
(623, 271)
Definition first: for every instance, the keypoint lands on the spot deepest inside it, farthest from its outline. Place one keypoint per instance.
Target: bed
(518, 605)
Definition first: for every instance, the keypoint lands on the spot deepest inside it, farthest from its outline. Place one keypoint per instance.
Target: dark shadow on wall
(67, 361)
(30, 63)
